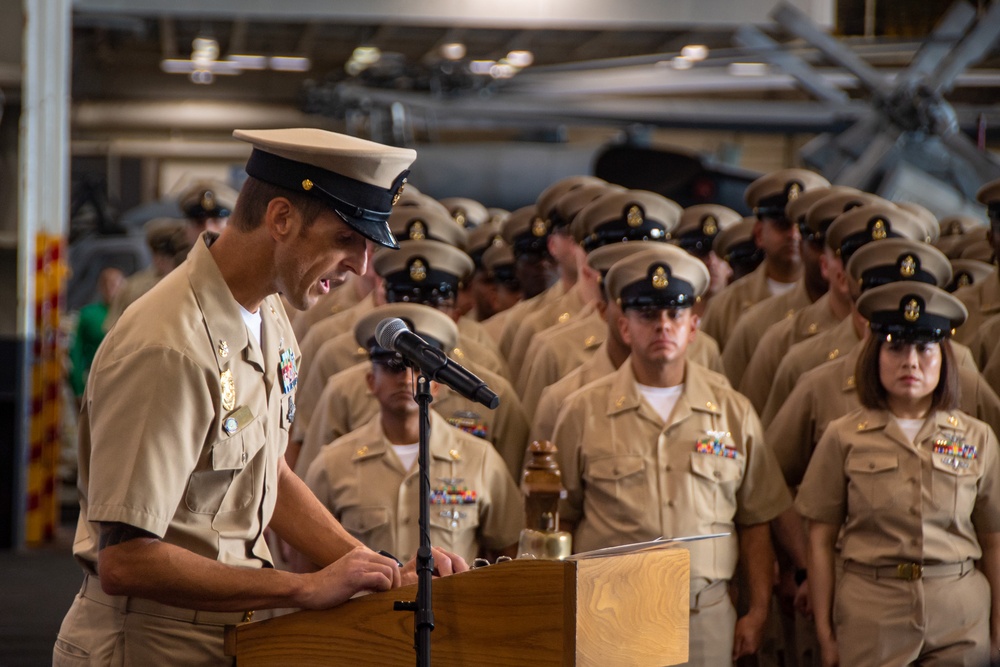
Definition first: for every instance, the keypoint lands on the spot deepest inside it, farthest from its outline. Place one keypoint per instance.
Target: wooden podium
(629, 609)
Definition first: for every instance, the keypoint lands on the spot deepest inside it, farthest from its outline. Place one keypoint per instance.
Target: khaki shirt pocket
(872, 480)
(370, 524)
(619, 486)
(227, 485)
(714, 482)
(954, 489)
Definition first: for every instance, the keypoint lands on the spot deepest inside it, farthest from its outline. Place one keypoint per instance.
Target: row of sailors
(557, 359)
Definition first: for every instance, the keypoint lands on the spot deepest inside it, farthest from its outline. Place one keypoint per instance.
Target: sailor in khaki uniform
(527, 233)
(481, 289)
(505, 290)
(618, 218)
(168, 246)
(368, 479)
(206, 205)
(184, 423)
(750, 328)
(428, 273)
(564, 246)
(848, 232)
(735, 245)
(903, 497)
(660, 448)
(821, 315)
(983, 299)
(696, 231)
(778, 237)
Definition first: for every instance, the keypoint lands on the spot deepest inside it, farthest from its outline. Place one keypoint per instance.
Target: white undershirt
(407, 454)
(910, 427)
(663, 399)
(253, 322)
(776, 288)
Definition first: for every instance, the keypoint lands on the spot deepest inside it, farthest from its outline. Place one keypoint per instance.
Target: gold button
(862, 426)
(454, 454)
(833, 354)
(953, 421)
(589, 341)
(307, 185)
(361, 451)
(620, 402)
(850, 381)
(563, 317)
(710, 405)
(813, 328)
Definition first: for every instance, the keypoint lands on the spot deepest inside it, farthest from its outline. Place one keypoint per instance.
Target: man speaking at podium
(186, 414)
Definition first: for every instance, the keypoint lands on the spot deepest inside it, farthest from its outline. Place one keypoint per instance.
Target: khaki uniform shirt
(555, 313)
(982, 299)
(900, 502)
(806, 355)
(184, 420)
(629, 477)
(337, 300)
(828, 392)
(751, 327)
(362, 482)
(346, 404)
(812, 320)
(554, 396)
(329, 328)
(494, 325)
(522, 309)
(726, 307)
(558, 350)
(132, 288)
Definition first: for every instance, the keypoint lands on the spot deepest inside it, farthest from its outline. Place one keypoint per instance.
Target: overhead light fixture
(520, 58)
(452, 51)
(248, 62)
(748, 69)
(289, 64)
(481, 66)
(695, 52)
(502, 70)
(681, 63)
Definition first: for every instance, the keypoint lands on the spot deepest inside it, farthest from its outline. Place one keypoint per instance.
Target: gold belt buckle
(909, 571)
(247, 617)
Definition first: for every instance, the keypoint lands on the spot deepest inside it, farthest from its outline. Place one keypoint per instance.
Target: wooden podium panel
(630, 609)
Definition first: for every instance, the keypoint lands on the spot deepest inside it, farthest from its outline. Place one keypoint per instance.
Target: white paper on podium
(658, 543)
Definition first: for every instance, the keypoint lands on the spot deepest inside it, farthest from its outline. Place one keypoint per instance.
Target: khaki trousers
(105, 630)
(933, 621)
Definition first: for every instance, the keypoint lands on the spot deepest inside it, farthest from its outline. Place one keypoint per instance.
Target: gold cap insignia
(459, 217)
(418, 231)
(634, 216)
(223, 348)
(497, 241)
(660, 279)
(709, 226)
(878, 230)
(399, 192)
(955, 227)
(911, 313)
(794, 190)
(307, 185)
(908, 267)
(539, 227)
(208, 200)
(228, 386)
(418, 271)
(964, 279)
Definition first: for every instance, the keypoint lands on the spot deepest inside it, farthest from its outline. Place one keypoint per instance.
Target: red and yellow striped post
(46, 395)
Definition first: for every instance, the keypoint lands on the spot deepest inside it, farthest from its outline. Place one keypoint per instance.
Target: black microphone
(393, 334)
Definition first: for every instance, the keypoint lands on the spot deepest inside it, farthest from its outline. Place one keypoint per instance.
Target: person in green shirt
(90, 328)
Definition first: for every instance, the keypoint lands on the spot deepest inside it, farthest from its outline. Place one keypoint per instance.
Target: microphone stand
(423, 613)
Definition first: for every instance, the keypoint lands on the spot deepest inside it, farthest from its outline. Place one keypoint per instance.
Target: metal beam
(473, 13)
